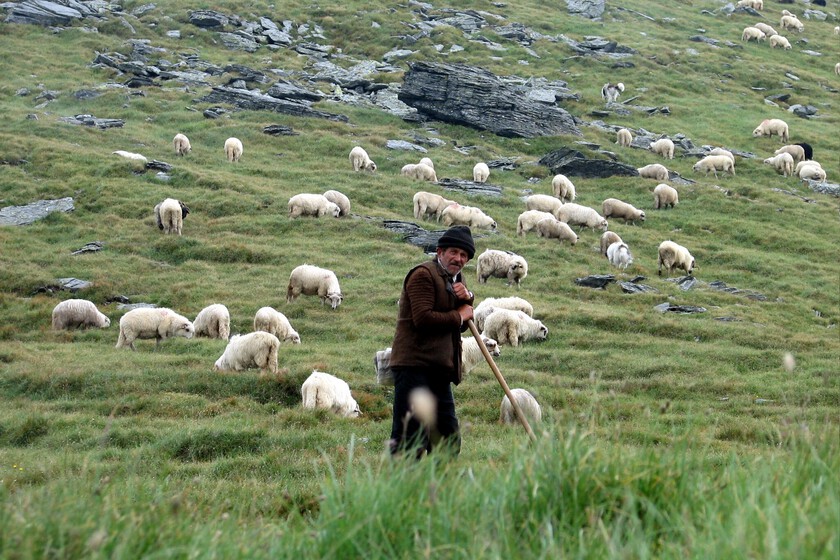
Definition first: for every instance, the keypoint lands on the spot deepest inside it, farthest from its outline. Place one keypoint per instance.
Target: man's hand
(461, 291)
(466, 313)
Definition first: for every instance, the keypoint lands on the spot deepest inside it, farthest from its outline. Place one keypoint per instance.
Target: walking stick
(501, 379)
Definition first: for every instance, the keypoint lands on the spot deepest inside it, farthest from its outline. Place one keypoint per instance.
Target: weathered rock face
(592, 9)
(473, 97)
(574, 164)
(23, 215)
(256, 101)
(43, 12)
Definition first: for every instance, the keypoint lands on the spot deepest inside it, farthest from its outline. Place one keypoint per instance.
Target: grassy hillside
(663, 434)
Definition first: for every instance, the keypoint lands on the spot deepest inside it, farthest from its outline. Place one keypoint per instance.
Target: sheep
(809, 151)
(323, 390)
(471, 354)
(340, 200)
(233, 149)
(148, 322)
(753, 33)
(795, 150)
(563, 188)
(243, 351)
(721, 152)
(132, 156)
(507, 326)
(754, 4)
(619, 255)
(360, 160)
(583, 216)
(803, 163)
(501, 264)
(791, 22)
(779, 41)
(489, 305)
(427, 161)
(423, 172)
(715, 164)
(551, 228)
(310, 281)
(170, 215)
(782, 163)
(528, 220)
(654, 171)
(837, 30)
(607, 239)
(610, 92)
(426, 203)
(664, 147)
(664, 196)
(614, 207)
(78, 314)
(306, 204)
(624, 137)
(768, 30)
(543, 203)
(181, 144)
(272, 321)
(812, 172)
(456, 214)
(673, 256)
(837, 68)
(527, 404)
(213, 321)
(481, 172)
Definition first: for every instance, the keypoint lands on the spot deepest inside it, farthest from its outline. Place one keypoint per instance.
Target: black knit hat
(459, 237)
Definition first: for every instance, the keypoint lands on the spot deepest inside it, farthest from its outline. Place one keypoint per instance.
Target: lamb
(170, 215)
(527, 404)
(528, 220)
(426, 203)
(795, 150)
(610, 92)
(607, 239)
(812, 172)
(360, 160)
(782, 163)
(243, 351)
(714, 164)
(664, 196)
(614, 207)
(664, 147)
(563, 188)
(619, 255)
(310, 280)
(272, 321)
(577, 215)
(213, 321)
(427, 161)
(340, 200)
(489, 305)
(721, 152)
(147, 322)
(481, 172)
(233, 149)
(132, 156)
(471, 354)
(306, 204)
(501, 264)
(654, 171)
(543, 203)
(779, 41)
(673, 256)
(791, 22)
(423, 172)
(323, 390)
(78, 314)
(456, 214)
(551, 228)
(753, 33)
(182, 144)
(624, 137)
(507, 326)
(768, 30)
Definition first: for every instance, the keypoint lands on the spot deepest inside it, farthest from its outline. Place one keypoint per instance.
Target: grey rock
(23, 92)
(815, 14)
(591, 9)
(237, 42)
(86, 94)
(214, 112)
(29, 213)
(286, 89)
(722, 287)
(396, 54)
(142, 10)
(277, 37)
(44, 12)
(832, 189)
(158, 165)
(173, 34)
(600, 281)
(208, 19)
(90, 120)
(572, 163)
(161, 176)
(684, 282)
(811, 53)
(74, 284)
(470, 187)
(247, 74)
(598, 46)
(703, 39)
(279, 130)
(683, 309)
(506, 163)
(414, 234)
(403, 145)
(92, 247)
(259, 102)
(803, 111)
(633, 288)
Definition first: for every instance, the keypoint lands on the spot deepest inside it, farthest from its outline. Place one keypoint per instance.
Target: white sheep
(552, 228)
(481, 172)
(340, 200)
(360, 160)
(615, 208)
(78, 314)
(782, 163)
(528, 219)
(607, 239)
(563, 188)
(654, 171)
(583, 216)
(501, 264)
(767, 29)
(664, 147)
(795, 150)
(311, 281)
(426, 203)
(257, 349)
(527, 404)
(791, 22)
(427, 161)
(812, 172)
(721, 152)
(507, 326)
(543, 203)
(753, 33)
(471, 354)
(489, 305)
(837, 29)
(147, 322)
(456, 214)
(170, 214)
(837, 68)
(610, 92)
(624, 137)
(233, 149)
(673, 256)
(619, 255)
(132, 156)
(803, 163)
(779, 41)
(272, 321)
(421, 172)
(769, 127)
(307, 204)
(407, 170)
(664, 196)
(714, 164)
(755, 4)
(181, 144)
(213, 321)
(323, 390)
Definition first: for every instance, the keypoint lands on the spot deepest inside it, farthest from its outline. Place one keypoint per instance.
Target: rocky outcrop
(255, 101)
(23, 215)
(591, 9)
(44, 12)
(572, 163)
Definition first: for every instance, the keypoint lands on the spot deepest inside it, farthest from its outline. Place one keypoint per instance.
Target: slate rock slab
(573, 163)
(683, 309)
(470, 187)
(596, 281)
(23, 215)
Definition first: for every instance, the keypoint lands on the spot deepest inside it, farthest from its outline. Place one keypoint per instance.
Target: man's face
(453, 259)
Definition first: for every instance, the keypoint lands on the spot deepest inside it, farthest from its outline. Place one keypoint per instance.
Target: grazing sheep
(615, 208)
(769, 127)
(714, 164)
(489, 305)
(360, 160)
(471, 354)
(233, 149)
(543, 203)
(721, 152)
(673, 256)
(624, 137)
(481, 172)
(323, 390)
(664, 196)
(426, 203)
(610, 92)
(182, 144)
(782, 163)
(243, 351)
(754, 4)
(768, 30)
(340, 200)
(527, 404)
(654, 171)
(583, 216)
(809, 151)
(507, 326)
(78, 314)
(753, 33)
(132, 156)
(310, 281)
(170, 215)
(619, 255)
(552, 228)
(803, 163)
(779, 41)
(427, 161)
(795, 150)
(791, 22)
(158, 323)
(837, 68)
(837, 30)
(664, 147)
(812, 172)
(607, 239)
(407, 170)
(423, 172)
(272, 321)
(528, 220)
(306, 204)
(458, 215)
(563, 188)
(213, 321)
(501, 264)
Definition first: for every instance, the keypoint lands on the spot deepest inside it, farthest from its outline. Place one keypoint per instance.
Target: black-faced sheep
(583, 216)
(512, 327)
(563, 188)
(78, 314)
(457, 214)
(552, 228)
(619, 255)
(243, 351)
(624, 137)
(673, 256)
(170, 215)
(426, 203)
(307, 204)
(181, 144)
(489, 305)
(233, 149)
(272, 321)
(610, 92)
(607, 239)
(158, 323)
(481, 172)
(654, 171)
(528, 219)
(527, 404)
(323, 390)
(213, 321)
(769, 127)
(501, 264)
(615, 208)
(314, 281)
(664, 147)
(340, 200)
(665, 196)
(360, 160)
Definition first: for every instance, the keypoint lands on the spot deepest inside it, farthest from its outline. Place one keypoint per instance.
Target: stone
(208, 19)
(591, 9)
(279, 130)
(74, 284)
(44, 12)
(92, 247)
(403, 145)
(90, 120)
(803, 111)
(683, 309)
(256, 101)
(633, 288)
(572, 163)
(721, 286)
(29, 213)
(600, 281)
(470, 187)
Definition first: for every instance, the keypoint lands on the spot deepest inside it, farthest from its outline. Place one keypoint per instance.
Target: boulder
(256, 101)
(572, 163)
(44, 12)
(23, 215)
(600, 281)
(590, 9)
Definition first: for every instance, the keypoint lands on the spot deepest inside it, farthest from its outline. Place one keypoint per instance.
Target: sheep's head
(542, 334)
(106, 322)
(491, 345)
(642, 216)
(293, 337)
(184, 210)
(335, 299)
(183, 328)
(371, 166)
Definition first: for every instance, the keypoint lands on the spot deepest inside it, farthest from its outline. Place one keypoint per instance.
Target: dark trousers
(406, 432)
